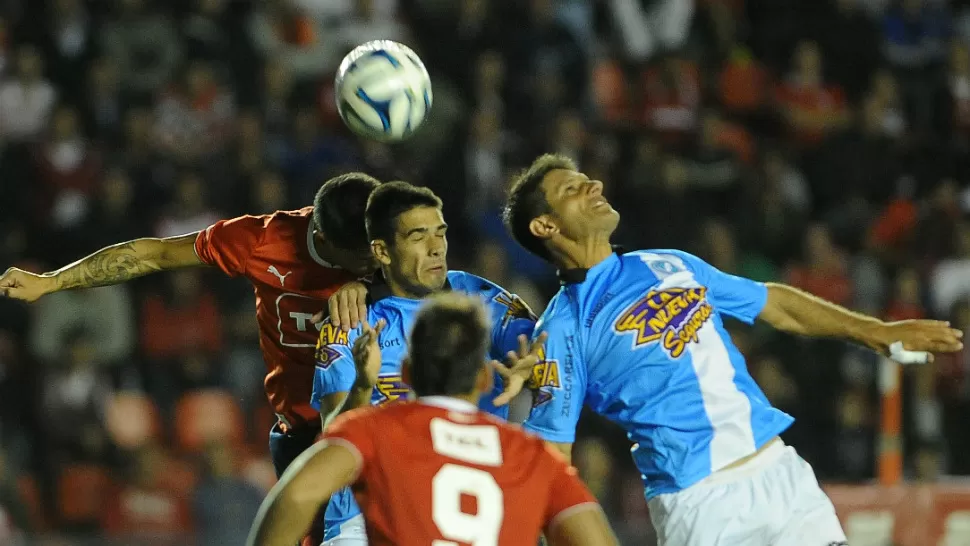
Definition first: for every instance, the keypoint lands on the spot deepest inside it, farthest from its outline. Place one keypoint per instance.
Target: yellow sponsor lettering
(673, 344)
(545, 373)
(657, 324)
(653, 316)
(675, 340)
(551, 378)
(332, 336)
(675, 306)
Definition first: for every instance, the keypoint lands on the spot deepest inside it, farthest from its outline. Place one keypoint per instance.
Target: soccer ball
(383, 91)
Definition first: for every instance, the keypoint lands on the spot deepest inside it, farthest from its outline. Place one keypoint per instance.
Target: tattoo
(113, 265)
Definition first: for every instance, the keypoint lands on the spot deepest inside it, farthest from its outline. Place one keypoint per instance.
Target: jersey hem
(549, 436)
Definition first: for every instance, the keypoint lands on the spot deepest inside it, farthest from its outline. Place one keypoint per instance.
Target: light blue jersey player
(639, 338)
(408, 233)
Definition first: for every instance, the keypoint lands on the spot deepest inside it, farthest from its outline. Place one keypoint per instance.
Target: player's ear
(543, 227)
(406, 370)
(380, 251)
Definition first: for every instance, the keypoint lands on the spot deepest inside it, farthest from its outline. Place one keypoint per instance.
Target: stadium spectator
(823, 142)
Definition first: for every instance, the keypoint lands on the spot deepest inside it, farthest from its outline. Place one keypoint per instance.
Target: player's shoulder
(558, 311)
(661, 262)
(504, 304)
(291, 225)
(473, 284)
(279, 219)
(296, 222)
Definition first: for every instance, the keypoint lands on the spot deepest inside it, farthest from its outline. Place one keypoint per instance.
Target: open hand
(367, 354)
(518, 366)
(918, 336)
(24, 286)
(347, 306)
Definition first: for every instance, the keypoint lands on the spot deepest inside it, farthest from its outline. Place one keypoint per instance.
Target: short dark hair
(392, 200)
(338, 209)
(448, 345)
(527, 201)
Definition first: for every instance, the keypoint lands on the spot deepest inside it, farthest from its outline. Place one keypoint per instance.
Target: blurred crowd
(822, 143)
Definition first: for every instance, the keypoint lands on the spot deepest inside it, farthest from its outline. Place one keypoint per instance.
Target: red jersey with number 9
(440, 472)
(275, 252)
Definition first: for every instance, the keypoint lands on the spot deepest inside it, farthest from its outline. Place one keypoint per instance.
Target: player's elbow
(777, 312)
(175, 252)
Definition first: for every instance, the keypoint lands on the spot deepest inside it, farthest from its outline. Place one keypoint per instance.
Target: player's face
(417, 259)
(579, 208)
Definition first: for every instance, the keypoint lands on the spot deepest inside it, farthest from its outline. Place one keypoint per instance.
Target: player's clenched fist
(24, 285)
(367, 354)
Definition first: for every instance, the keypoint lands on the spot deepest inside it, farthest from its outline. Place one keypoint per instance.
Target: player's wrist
(362, 387)
(50, 282)
(359, 397)
(877, 335)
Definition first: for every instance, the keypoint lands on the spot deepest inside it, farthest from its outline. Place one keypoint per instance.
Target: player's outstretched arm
(587, 526)
(110, 265)
(909, 341)
(310, 480)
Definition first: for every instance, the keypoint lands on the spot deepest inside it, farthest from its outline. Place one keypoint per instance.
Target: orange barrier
(904, 515)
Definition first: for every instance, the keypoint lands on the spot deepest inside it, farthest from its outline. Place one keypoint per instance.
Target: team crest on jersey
(672, 317)
(329, 336)
(390, 388)
(515, 307)
(545, 379)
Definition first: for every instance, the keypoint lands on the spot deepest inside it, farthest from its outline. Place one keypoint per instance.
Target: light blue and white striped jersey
(639, 339)
(336, 372)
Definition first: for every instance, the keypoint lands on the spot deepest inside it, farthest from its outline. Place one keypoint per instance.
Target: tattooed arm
(110, 265)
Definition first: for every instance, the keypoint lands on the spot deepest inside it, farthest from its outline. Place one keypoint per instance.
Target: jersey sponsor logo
(282, 277)
(672, 317)
(329, 336)
(515, 307)
(663, 265)
(295, 324)
(388, 343)
(545, 379)
(390, 388)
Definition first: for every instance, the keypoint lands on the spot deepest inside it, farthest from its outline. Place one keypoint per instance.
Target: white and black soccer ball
(383, 91)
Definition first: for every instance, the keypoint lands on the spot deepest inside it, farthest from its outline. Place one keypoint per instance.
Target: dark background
(819, 143)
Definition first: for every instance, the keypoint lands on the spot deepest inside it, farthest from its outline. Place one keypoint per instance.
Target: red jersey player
(295, 260)
(437, 471)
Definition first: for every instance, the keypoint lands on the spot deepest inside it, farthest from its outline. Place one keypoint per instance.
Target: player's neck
(583, 254)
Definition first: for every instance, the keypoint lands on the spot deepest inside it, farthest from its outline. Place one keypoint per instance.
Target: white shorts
(352, 533)
(771, 500)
